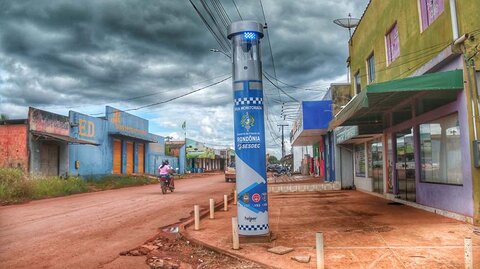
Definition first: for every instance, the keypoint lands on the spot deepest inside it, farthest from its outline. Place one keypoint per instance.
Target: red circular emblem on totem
(256, 197)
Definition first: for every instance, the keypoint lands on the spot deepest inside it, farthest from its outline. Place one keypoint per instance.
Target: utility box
(476, 153)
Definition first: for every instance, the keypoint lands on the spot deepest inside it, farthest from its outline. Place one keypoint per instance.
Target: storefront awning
(311, 123)
(62, 138)
(368, 106)
(130, 135)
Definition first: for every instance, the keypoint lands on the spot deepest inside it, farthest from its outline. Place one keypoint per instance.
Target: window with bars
(393, 44)
(430, 10)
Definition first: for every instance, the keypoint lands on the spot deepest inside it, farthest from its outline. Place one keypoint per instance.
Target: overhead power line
(280, 89)
(237, 9)
(214, 34)
(173, 98)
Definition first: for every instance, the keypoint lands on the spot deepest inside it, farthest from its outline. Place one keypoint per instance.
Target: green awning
(369, 105)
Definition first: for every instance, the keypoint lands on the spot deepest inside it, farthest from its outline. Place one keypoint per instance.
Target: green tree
(273, 160)
(3, 117)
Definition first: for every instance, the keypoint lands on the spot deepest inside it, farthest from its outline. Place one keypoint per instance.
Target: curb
(204, 213)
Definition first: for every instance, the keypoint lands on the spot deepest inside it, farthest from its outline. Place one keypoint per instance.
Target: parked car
(281, 170)
(230, 173)
(271, 167)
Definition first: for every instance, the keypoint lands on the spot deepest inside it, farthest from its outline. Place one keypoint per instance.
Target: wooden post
(212, 208)
(235, 238)
(196, 210)
(320, 253)
(468, 253)
(235, 197)
(225, 202)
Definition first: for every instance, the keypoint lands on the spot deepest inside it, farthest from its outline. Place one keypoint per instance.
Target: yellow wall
(416, 47)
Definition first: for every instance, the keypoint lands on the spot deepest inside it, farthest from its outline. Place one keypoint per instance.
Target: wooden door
(117, 156)
(129, 158)
(49, 159)
(141, 158)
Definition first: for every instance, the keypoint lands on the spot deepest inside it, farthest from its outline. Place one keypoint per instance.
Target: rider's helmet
(165, 162)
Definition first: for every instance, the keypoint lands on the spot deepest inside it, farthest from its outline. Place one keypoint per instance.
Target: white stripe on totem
(243, 170)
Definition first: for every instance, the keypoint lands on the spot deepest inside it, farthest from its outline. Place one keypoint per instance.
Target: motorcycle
(167, 182)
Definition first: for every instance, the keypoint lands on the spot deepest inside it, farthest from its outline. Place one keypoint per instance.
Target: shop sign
(346, 133)
(128, 123)
(87, 127)
(47, 122)
(197, 150)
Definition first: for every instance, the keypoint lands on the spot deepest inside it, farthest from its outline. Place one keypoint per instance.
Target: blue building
(121, 144)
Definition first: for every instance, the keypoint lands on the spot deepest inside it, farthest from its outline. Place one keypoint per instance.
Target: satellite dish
(348, 23)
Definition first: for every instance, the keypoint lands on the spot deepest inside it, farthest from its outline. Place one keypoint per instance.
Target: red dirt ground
(90, 230)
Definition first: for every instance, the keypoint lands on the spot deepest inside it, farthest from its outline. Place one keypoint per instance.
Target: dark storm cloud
(108, 47)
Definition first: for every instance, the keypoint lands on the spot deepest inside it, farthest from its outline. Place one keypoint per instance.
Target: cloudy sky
(82, 55)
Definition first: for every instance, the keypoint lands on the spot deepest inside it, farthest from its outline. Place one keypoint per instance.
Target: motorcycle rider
(164, 172)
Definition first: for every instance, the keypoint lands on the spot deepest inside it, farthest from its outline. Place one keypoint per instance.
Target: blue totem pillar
(250, 160)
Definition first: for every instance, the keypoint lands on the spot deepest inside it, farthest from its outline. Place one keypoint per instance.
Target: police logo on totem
(246, 198)
(256, 197)
(247, 121)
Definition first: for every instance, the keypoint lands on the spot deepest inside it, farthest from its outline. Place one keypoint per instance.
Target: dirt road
(89, 230)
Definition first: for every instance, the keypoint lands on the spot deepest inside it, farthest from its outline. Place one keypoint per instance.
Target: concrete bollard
(235, 197)
(225, 202)
(212, 208)
(468, 253)
(320, 252)
(196, 210)
(235, 238)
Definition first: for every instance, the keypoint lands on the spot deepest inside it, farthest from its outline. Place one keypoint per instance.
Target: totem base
(262, 238)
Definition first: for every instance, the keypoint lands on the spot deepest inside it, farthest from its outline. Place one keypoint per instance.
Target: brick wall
(13, 146)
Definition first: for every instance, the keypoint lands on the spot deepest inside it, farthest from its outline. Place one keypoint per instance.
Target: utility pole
(283, 142)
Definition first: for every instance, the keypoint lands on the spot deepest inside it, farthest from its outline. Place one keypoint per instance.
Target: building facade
(413, 117)
(200, 158)
(310, 130)
(49, 144)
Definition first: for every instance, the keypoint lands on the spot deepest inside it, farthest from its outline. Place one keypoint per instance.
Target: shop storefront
(201, 158)
(123, 145)
(309, 130)
(49, 143)
(421, 153)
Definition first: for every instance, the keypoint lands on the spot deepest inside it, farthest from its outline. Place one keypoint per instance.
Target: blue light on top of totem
(249, 35)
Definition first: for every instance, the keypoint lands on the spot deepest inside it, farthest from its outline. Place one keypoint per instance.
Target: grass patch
(118, 181)
(43, 187)
(16, 187)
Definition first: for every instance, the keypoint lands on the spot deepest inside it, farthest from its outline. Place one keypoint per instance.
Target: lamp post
(250, 159)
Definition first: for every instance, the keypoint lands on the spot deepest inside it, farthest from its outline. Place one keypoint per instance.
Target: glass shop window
(440, 151)
(360, 166)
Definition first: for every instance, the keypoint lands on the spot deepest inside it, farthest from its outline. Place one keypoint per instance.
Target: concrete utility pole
(249, 125)
(283, 140)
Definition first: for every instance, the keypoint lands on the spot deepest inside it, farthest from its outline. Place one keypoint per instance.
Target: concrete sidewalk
(361, 231)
